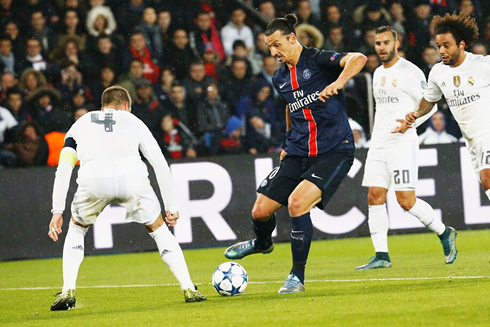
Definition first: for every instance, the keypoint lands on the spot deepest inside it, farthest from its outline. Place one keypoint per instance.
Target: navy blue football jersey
(317, 127)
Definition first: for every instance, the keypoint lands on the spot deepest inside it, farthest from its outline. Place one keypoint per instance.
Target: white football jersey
(110, 137)
(397, 90)
(467, 92)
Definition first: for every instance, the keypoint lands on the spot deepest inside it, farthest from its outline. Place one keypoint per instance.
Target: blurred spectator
(418, 30)
(237, 85)
(261, 135)
(261, 48)
(305, 15)
(372, 63)
(163, 89)
(7, 82)
(79, 113)
(138, 50)
(164, 20)
(15, 103)
(31, 6)
(195, 84)
(260, 101)
(100, 21)
(135, 73)
(430, 57)
(269, 66)
(7, 11)
(179, 54)
(367, 42)
(479, 48)
(267, 10)
(68, 51)
(72, 27)
(240, 52)
(41, 31)
(107, 78)
(212, 64)
(105, 55)
(485, 35)
(473, 9)
(371, 15)
(178, 106)
(335, 40)
(146, 105)
(151, 31)
(55, 141)
(30, 147)
(129, 15)
(34, 59)
(204, 35)
(436, 132)
(43, 109)
(173, 141)
(398, 17)
(232, 141)
(71, 81)
(212, 115)
(359, 135)
(309, 36)
(31, 80)
(79, 99)
(333, 17)
(7, 58)
(236, 29)
(12, 30)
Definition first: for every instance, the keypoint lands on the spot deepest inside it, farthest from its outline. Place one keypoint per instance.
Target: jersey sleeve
(416, 85)
(329, 60)
(150, 149)
(432, 93)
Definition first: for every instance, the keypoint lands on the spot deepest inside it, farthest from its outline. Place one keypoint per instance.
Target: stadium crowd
(198, 71)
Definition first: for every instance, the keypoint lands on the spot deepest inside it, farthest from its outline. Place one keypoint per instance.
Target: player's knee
(260, 213)
(406, 203)
(296, 206)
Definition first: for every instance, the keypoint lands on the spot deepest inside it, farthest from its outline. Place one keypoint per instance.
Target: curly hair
(461, 26)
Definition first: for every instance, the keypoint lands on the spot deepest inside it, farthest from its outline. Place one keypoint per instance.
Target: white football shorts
(126, 184)
(395, 165)
(480, 156)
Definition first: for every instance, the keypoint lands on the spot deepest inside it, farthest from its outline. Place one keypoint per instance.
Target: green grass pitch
(139, 290)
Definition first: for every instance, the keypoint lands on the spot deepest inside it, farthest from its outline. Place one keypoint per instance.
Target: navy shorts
(326, 171)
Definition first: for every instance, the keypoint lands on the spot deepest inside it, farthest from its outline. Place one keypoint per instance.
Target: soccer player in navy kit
(318, 148)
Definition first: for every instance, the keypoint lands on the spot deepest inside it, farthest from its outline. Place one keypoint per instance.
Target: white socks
(378, 226)
(424, 212)
(172, 255)
(73, 253)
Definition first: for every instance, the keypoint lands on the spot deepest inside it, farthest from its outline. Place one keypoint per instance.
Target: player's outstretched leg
(73, 254)
(171, 254)
(448, 241)
(261, 244)
(378, 226)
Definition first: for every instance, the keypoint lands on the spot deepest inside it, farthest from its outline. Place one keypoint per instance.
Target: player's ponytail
(285, 25)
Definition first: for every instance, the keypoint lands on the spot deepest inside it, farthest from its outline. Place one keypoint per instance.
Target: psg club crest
(306, 74)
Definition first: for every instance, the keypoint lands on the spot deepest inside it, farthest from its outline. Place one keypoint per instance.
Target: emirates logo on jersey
(456, 81)
(471, 81)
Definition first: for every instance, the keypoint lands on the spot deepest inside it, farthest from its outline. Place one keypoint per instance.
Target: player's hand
(330, 90)
(171, 218)
(410, 118)
(402, 128)
(55, 226)
(283, 155)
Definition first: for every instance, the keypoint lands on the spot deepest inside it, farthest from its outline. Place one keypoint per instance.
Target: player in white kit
(107, 143)
(392, 158)
(464, 80)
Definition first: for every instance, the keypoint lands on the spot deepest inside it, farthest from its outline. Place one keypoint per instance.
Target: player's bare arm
(352, 63)
(424, 108)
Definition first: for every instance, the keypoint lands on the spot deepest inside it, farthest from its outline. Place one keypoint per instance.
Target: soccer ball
(230, 279)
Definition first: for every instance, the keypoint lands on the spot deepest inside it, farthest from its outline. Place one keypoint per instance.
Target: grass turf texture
(138, 289)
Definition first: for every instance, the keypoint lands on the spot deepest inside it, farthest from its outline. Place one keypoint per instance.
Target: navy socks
(263, 231)
(301, 235)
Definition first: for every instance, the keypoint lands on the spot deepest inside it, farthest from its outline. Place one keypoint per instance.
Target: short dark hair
(383, 29)
(115, 95)
(285, 25)
(461, 26)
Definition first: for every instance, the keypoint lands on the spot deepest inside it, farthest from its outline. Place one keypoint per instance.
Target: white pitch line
(265, 282)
